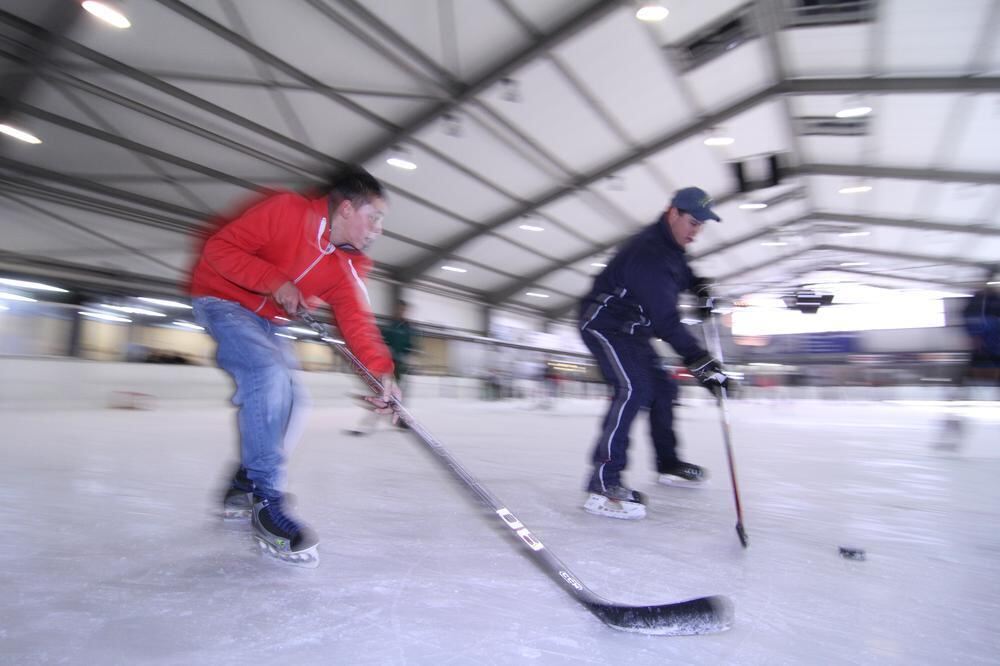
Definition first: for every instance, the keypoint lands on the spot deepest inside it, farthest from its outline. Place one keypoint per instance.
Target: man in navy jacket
(634, 299)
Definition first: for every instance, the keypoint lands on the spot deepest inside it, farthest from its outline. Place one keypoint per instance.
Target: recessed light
(536, 294)
(719, 141)
(454, 269)
(651, 12)
(162, 302)
(399, 157)
(598, 264)
(849, 234)
(753, 206)
(855, 189)
(531, 227)
(774, 243)
(847, 264)
(854, 112)
(19, 134)
(107, 14)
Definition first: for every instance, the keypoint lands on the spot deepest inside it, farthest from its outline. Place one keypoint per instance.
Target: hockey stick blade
(694, 616)
(704, 615)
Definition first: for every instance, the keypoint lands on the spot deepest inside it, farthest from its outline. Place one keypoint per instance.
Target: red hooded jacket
(285, 238)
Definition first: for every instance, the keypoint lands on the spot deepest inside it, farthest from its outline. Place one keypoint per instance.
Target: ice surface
(111, 554)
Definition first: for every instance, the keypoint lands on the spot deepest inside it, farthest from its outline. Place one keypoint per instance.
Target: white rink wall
(47, 383)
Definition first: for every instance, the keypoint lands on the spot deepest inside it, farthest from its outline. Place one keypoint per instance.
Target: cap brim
(706, 215)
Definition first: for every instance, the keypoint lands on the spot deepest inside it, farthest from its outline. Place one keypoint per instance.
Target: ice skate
(281, 537)
(616, 502)
(683, 474)
(237, 501)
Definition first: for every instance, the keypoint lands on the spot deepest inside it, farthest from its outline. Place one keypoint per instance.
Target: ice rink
(112, 555)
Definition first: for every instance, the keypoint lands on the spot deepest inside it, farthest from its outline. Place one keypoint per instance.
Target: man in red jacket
(281, 256)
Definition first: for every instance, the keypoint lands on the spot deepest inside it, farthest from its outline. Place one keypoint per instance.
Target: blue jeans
(271, 401)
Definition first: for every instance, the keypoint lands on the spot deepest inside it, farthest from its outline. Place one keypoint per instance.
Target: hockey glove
(709, 374)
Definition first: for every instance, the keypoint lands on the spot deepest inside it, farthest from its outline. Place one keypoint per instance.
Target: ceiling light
(104, 316)
(531, 227)
(536, 294)
(993, 283)
(187, 324)
(855, 189)
(162, 302)
(454, 269)
(107, 14)
(854, 112)
(848, 234)
(598, 264)
(847, 264)
(753, 206)
(7, 296)
(774, 243)
(19, 134)
(129, 310)
(719, 141)
(652, 12)
(38, 286)
(400, 158)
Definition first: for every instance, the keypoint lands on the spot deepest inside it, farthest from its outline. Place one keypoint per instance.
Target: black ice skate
(682, 473)
(281, 537)
(616, 502)
(237, 501)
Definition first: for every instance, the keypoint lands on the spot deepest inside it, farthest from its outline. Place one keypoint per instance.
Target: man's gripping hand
(710, 374)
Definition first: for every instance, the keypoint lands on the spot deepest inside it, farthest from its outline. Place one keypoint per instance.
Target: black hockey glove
(709, 374)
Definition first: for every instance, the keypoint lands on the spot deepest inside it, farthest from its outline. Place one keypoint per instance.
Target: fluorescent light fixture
(651, 12)
(847, 264)
(752, 206)
(19, 134)
(7, 296)
(993, 283)
(849, 234)
(107, 14)
(536, 294)
(290, 337)
(129, 310)
(162, 302)
(767, 365)
(187, 324)
(854, 112)
(104, 316)
(719, 141)
(301, 331)
(774, 243)
(37, 286)
(531, 227)
(855, 189)
(597, 264)
(454, 269)
(400, 158)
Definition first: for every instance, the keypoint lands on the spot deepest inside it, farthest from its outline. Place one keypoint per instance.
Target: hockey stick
(694, 616)
(727, 437)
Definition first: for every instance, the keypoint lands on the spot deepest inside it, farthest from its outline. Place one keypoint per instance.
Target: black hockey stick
(694, 616)
(727, 437)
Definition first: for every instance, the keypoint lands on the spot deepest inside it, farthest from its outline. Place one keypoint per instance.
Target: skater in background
(286, 254)
(633, 299)
(399, 337)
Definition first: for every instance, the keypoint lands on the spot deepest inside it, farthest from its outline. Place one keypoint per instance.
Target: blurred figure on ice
(633, 299)
(284, 255)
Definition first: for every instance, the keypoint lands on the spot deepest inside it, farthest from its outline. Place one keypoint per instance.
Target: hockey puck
(852, 553)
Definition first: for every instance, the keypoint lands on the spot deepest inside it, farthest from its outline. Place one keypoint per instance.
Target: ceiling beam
(892, 85)
(981, 229)
(903, 173)
(903, 278)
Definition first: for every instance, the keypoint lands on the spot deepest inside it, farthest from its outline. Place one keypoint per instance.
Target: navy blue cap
(696, 201)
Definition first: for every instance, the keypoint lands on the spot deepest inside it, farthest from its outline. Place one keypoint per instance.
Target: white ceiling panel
(636, 70)
(495, 251)
(962, 203)
(761, 130)
(691, 162)
(555, 117)
(566, 281)
(439, 182)
(553, 241)
(843, 50)
(908, 127)
(636, 191)
(925, 37)
(740, 72)
(490, 151)
(587, 220)
(477, 278)
(834, 149)
(425, 225)
(391, 252)
(977, 145)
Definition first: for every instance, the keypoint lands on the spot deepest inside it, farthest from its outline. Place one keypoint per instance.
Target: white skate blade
(236, 515)
(599, 505)
(678, 482)
(307, 558)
